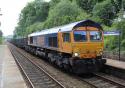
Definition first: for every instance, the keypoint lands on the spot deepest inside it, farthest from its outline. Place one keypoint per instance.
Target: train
(76, 47)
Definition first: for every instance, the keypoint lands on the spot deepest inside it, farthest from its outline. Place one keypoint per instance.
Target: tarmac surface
(10, 76)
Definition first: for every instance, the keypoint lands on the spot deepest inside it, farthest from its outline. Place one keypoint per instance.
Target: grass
(1, 40)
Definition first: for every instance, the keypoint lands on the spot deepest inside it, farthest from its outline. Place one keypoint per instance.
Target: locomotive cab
(87, 43)
(87, 46)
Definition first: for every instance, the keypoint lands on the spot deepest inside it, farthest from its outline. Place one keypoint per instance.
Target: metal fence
(114, 55)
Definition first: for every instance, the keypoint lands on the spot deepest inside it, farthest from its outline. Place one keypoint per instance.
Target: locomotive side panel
(41, 40)
(65, 41)
(33, 40)
(51, 40)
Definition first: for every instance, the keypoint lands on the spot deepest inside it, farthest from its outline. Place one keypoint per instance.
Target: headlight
(76, 54)
(101, 52)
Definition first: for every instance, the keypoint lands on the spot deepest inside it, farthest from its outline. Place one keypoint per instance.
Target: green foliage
(108, 10)
(109, 43)
(105, 12)
(86, 5)
(123, 43)
(34, 27)
(118, 4)
(120, 26)
(1, 33)
(64, 12)
(36, 11)
(53, 3)
(1, 40)
(112, 41)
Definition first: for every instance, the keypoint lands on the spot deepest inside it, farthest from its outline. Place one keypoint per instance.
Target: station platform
(10, 76)
(116, 63)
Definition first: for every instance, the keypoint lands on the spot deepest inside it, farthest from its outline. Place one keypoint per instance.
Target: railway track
(113, 80)
(98, 80)
(101, 80)
(35, 76)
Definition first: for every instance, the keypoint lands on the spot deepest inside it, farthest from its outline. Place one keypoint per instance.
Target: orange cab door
(66, 42)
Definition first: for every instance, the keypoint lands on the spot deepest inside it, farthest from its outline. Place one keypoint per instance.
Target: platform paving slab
(116, 63)
(10, 76)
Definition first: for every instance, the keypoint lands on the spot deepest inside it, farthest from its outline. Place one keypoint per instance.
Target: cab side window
(31, 40)
(66, 37)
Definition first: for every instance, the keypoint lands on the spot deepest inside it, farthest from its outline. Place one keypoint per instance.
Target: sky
(11, 10)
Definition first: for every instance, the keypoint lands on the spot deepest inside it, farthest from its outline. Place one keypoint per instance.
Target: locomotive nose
(88, 50)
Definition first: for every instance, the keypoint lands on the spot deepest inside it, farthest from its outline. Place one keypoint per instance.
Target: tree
(105, 11)
(120, 26)
(36, 11)
(118, 5)
(38, 26)
(53, 3)
(86, 5)
(112, 42)
(64, 12)
(1, 33)
(1, 36)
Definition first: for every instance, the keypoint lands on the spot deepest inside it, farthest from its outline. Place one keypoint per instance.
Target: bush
(1, 40)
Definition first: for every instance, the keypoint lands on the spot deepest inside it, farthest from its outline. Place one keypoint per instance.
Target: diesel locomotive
(76, 47)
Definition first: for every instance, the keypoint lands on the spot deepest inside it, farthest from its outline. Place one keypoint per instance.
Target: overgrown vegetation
(1, 39)
(38, 15)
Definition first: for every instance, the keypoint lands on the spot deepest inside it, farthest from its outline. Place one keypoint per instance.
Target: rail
(36, 77)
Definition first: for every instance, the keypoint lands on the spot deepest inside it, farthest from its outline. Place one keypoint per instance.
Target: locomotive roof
(68, 27)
